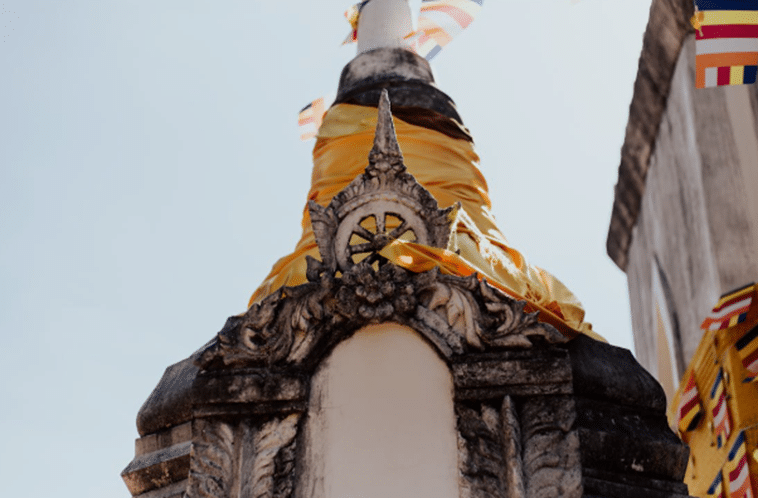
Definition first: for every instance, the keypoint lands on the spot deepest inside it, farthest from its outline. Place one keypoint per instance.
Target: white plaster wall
(384, 23)
(381, 421)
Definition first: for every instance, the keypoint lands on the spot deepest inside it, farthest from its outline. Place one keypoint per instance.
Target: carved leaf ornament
(353, 286)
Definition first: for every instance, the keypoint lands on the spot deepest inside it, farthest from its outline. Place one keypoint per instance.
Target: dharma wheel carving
(382, 204)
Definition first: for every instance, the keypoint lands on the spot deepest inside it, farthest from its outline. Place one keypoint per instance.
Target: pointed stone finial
(386, 154)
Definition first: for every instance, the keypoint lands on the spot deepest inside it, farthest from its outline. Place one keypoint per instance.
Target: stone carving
(514, 468)
(533, 455)
(274, 459)
(455, 314)
(480, 452)
(243, 461)
(211, 461)
(384, 191)
(551, 453)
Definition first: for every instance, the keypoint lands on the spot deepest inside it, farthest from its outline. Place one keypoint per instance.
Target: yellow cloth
(717, 351)
(447, 167)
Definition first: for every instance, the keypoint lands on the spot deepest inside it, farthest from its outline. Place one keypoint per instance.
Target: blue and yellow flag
(726, 42)
(722, 425)
(747, 348)
(717, 487)
(740, 484)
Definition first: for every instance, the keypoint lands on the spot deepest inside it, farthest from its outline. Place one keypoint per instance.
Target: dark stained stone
(612, 374)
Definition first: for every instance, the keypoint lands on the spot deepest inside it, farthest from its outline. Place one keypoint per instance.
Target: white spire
(384, 23)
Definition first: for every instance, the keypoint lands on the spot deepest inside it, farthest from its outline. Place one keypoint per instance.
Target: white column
(381, 421)
(384, 23)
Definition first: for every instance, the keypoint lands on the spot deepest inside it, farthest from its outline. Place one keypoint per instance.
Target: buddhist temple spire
(384, 24)
(385, 153)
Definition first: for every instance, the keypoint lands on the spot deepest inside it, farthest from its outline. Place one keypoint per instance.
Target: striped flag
(731, 309)
(689, 411)
(310, 118)
(440, 21)
(720, 410)
(726, 45)
(717, 487)
(352, 15)
(740, 484)
(747, 348)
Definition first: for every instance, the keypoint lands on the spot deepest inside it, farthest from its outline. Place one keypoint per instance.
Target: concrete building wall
(696, 235)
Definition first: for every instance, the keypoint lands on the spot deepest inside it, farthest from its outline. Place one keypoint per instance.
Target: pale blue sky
(151, 174)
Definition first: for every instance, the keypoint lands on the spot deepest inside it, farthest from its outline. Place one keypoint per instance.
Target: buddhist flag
(440, 21)
(726, 45)
(740, 484)
(717, 487)
(310, 118)
(731, 309)
(352, 15)
(720, 410)
(689, 411)
(747, 348)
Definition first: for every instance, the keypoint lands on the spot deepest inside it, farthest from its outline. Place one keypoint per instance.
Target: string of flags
(730, 310)
(739, 482)
(310, 117)
(747, 348)
(722, 425)
(737, 469)
(439, 21)
(716, 489)
(726, 42)
(726, 360)
(690, 411)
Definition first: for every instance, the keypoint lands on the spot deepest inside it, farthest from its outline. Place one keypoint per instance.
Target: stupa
(404, 349)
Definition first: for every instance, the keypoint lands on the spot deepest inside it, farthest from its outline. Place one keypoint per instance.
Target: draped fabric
(447, 167)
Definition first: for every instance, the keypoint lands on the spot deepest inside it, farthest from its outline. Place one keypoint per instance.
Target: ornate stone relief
(296, 327)
(243, 460)
(455, 314)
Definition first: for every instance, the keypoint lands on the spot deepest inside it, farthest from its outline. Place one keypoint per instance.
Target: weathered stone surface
(551, 448)
(621, 415)
(175, 490)
(243, 460)
(163, 439)
(157, 469)
(625, 451)
(481, 452)
(516, 373)
(599, 483)
(665, 33)
(169, 404)
(256, 391)
(513, 449)
(694, 232)
(406, 76)
(609, 373)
